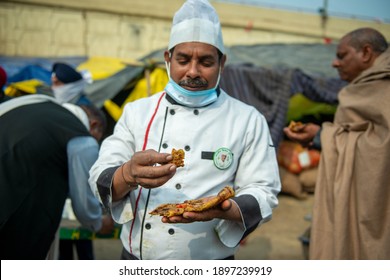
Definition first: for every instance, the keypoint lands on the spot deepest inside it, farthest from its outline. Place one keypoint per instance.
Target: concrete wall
(134, 28)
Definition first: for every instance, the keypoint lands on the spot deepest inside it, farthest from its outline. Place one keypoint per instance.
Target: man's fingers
(226, 205)
(151, 157)
(155, 181)
(152, 172)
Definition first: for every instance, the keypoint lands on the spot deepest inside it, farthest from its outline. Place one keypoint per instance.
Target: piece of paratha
(195, 205)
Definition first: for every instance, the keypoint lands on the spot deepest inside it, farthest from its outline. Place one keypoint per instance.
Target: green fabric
(300, 106)
(82, 234)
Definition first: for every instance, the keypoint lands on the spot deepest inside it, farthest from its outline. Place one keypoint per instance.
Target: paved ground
(275, 240)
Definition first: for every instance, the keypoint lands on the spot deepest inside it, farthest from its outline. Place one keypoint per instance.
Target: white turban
(196, 21)
(78, 112)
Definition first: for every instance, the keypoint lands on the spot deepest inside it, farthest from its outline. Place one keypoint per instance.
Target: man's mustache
(193, 83)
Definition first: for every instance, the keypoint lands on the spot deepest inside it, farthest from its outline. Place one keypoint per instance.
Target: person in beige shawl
(351, 213)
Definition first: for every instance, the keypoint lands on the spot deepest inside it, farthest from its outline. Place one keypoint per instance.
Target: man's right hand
(304, 136)
(148, 169)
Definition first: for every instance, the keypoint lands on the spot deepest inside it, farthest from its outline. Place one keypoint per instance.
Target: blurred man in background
(45, 148)
(68, 84)
(352, 195)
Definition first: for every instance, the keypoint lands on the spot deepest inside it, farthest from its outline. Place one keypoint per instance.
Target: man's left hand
(227, 210)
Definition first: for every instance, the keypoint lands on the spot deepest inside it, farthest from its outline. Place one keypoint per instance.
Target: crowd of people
(52, 150)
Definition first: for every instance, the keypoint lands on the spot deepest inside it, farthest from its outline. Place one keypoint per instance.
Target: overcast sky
(363, 9)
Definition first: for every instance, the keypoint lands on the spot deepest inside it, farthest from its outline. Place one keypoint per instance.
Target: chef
(226, 142)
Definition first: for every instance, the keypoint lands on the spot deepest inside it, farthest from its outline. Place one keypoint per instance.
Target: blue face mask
(190, 98)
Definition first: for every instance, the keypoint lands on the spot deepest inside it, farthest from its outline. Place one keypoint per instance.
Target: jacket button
(165, 145)
(178, 186)
(148, 226)
(171, 231)
(172, 112)
(196, 112)
(187, 148)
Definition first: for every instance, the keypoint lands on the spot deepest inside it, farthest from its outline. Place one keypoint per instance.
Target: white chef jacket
(227, 123)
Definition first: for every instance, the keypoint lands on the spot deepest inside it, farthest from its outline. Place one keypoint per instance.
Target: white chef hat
(196, 21)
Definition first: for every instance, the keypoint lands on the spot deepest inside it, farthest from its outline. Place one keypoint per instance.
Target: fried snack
(296, 126)
(195, 205)
(178, 157)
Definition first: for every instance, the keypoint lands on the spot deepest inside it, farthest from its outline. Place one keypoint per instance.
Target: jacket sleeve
(82, 153)
(257, 184)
